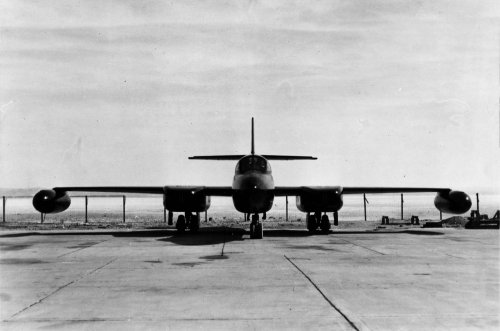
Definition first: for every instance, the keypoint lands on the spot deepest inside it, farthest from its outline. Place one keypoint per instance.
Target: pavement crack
(62, 287)
(79, 249)
(351, 323)
(350, 242)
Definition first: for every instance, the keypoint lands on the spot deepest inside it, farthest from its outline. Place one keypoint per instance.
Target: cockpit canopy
(253, 163)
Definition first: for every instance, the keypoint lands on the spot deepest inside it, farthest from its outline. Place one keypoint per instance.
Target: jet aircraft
(253, 193)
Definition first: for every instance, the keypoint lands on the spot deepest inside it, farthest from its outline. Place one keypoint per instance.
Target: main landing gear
(313, 221)
(188, 220)
(256, 230)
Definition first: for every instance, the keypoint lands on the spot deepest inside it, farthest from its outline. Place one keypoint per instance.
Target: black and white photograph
(250, 165)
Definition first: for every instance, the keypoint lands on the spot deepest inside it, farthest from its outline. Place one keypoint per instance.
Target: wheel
(258, 231)
(180, 225)
(325, 224)
(194, 224)
(311, 223)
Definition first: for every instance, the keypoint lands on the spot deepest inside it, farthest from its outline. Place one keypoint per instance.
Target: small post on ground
(86, 205)
(477, 203)
(286, 216)
(42, 218)
(164, 215)
(440, 215)
(206, 216)
(124, 198)
(364, 203)
(3, 208)
(402, 201)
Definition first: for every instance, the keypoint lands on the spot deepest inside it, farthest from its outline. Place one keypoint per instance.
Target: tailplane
(252, 151)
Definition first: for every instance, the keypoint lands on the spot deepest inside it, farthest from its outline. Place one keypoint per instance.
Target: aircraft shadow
(134, 233)
(207, 236)
(306, 233)
(213, 235)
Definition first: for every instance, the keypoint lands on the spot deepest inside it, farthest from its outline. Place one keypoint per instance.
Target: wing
(228, 191)
(112, 189)
(359, 190)
(206, 190)
(297, 190)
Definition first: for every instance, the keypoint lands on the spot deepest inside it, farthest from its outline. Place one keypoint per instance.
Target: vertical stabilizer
(237, 157)
(253, 144)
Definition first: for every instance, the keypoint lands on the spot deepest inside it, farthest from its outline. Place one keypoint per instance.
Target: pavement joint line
(79, 249)
(351, 323)
(223, 244)
(97, 320)
(457, 257)
(60, 288)
(350, 242)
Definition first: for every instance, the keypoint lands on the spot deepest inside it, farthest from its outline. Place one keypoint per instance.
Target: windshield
(252, 163)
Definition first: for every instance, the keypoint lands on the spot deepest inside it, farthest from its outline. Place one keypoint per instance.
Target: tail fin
(267, 156)
(253, 144)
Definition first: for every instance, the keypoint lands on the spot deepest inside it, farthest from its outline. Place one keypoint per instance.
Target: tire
(194, 225)
(180, 225)
(259, 231)
(311, 223)
(325, 224)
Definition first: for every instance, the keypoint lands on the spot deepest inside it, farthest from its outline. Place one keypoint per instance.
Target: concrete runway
(444, 279)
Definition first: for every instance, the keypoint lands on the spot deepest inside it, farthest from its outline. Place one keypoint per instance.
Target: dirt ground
(115, 221)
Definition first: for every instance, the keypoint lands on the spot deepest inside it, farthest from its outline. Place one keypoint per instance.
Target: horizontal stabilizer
(216, 157)
(237, 157)
(289, 157)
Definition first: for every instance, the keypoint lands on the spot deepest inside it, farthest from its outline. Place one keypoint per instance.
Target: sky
(384, 93)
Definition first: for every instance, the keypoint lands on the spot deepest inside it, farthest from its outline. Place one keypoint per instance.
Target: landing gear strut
(256, 230)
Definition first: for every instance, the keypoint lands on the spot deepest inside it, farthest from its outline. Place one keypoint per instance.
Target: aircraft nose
(252, 182)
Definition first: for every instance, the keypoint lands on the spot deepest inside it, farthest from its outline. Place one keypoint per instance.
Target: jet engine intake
(51, 201)
(186, 200)
(452, 202)
(320, 199)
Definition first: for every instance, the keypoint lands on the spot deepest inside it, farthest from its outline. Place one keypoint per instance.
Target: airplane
(253, 193)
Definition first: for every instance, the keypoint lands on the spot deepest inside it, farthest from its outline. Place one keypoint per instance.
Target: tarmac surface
(410, 279)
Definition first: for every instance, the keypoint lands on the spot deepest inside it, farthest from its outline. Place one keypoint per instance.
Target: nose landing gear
(256, 230)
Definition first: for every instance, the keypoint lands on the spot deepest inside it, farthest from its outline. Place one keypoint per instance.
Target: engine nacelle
(185, 199)
(452, 202)
(320, 199)
(51, 201)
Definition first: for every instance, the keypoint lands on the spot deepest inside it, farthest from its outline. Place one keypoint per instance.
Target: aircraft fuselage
(253, 185)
